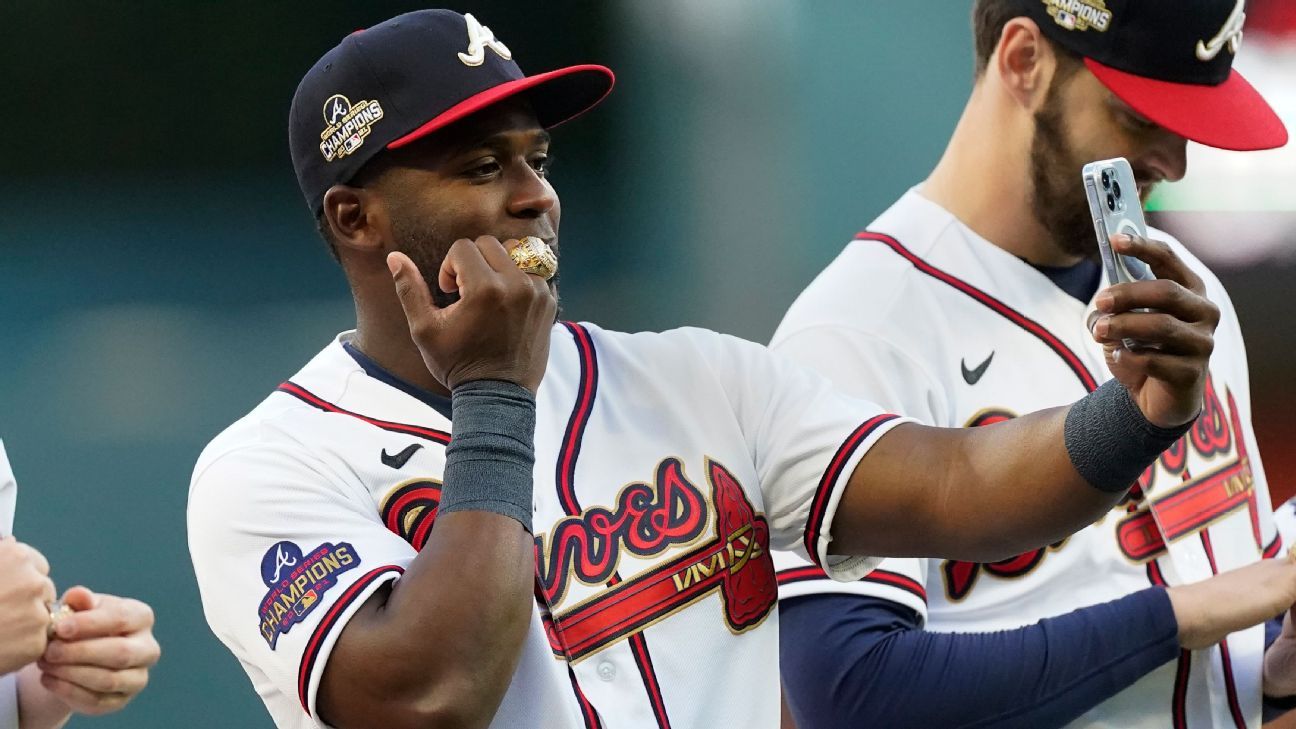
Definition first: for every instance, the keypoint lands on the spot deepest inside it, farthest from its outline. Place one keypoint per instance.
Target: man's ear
(1024, 62)
(356, 218)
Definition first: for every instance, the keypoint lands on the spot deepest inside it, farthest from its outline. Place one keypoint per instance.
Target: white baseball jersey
(8, 497)
(667, 466)
(937, 323)
(1285, 519)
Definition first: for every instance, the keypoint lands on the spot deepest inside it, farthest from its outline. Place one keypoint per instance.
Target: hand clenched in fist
(499, 327)
(25, 594)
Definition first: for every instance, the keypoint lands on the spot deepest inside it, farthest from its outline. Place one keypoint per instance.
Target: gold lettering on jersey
(739, 548)
(734, 563)
(1080, 14)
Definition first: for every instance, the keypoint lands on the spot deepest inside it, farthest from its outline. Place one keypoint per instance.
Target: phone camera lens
(1106, 179)
(1111, 202)
(1116, 188)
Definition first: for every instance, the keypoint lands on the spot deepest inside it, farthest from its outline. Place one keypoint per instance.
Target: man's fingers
(80, 598)
(112, 616)
(99, 680)
(1160, 258)
(412, 290)
(35, 557)
(1173, 369)
(118, 653)
(465, 266)
(496, 253)
(1163, 295)
(1168, 334)
(82, 700)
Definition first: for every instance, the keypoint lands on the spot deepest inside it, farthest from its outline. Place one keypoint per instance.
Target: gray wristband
(491, 452)
(1109, 440)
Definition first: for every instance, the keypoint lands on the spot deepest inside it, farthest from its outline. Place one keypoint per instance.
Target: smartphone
(1116, 208)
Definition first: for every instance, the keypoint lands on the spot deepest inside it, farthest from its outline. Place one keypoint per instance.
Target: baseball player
(87, 653)
(976, 285)
(593, 551)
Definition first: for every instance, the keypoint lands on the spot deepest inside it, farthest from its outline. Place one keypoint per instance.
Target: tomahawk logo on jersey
(654, 523)
(955, 331)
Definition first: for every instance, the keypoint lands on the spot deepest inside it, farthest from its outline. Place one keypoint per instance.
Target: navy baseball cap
(1171, 61)
(389, 85)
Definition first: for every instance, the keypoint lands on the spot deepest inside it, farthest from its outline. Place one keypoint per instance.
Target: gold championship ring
(534, 256)
(57, 611)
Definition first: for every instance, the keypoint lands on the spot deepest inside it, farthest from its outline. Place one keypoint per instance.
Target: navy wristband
(1110, 441)
(492, 450)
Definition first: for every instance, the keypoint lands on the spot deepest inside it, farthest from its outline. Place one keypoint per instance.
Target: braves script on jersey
(667, 466)
(937, 323)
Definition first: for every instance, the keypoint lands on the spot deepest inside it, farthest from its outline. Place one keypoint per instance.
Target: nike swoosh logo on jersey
(399, 460)
(973, 376)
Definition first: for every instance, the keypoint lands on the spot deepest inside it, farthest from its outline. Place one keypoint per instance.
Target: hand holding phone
(1115, 206)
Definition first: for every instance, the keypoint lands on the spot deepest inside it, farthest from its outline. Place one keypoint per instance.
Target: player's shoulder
(1215, 290)
(878, 283)
(282, 427)
(680, 346)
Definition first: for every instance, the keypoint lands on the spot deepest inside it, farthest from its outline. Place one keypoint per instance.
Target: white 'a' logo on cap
(479, 39)
(1230, 35)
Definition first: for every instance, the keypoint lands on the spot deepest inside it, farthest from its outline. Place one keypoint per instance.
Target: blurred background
(159, 272)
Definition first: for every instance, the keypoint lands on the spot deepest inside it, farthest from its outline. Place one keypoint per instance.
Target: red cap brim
(556, 97)
(1231, 115)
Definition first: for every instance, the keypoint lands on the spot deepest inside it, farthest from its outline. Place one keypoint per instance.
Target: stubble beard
(427, 246)
(1058, 199)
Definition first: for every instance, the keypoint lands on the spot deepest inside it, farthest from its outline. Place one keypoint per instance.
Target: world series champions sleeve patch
(297, 583)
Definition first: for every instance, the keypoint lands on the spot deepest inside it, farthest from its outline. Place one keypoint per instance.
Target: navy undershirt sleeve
(1276, 707)
(856, 661)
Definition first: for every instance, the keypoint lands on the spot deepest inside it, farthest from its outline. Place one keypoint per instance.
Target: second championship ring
(57, 611)
(534, 256)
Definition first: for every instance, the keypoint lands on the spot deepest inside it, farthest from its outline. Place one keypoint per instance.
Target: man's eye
(542, 164)
(485, 169)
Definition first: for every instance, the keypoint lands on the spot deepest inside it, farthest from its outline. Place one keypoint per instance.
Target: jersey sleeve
(285, 552)
(806, 439)
(9, 701)
(8, 494)
(864, 365)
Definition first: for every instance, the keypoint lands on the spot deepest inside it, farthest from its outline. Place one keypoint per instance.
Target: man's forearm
(976, 494)
(38, 708)
(984, 494)
(885, 669)
(439, 647)
(450, 631)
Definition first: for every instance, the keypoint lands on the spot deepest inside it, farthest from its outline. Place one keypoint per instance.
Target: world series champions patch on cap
(1171, 61)
(405, 78)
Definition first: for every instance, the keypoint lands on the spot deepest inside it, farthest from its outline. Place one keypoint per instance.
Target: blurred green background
(160, 273)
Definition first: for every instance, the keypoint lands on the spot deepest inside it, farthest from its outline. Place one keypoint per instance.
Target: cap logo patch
(1230, 35)
(346, 125)
(479, 39)
(1080, 14)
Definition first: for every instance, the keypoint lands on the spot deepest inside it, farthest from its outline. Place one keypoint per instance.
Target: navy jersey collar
(439, 403)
